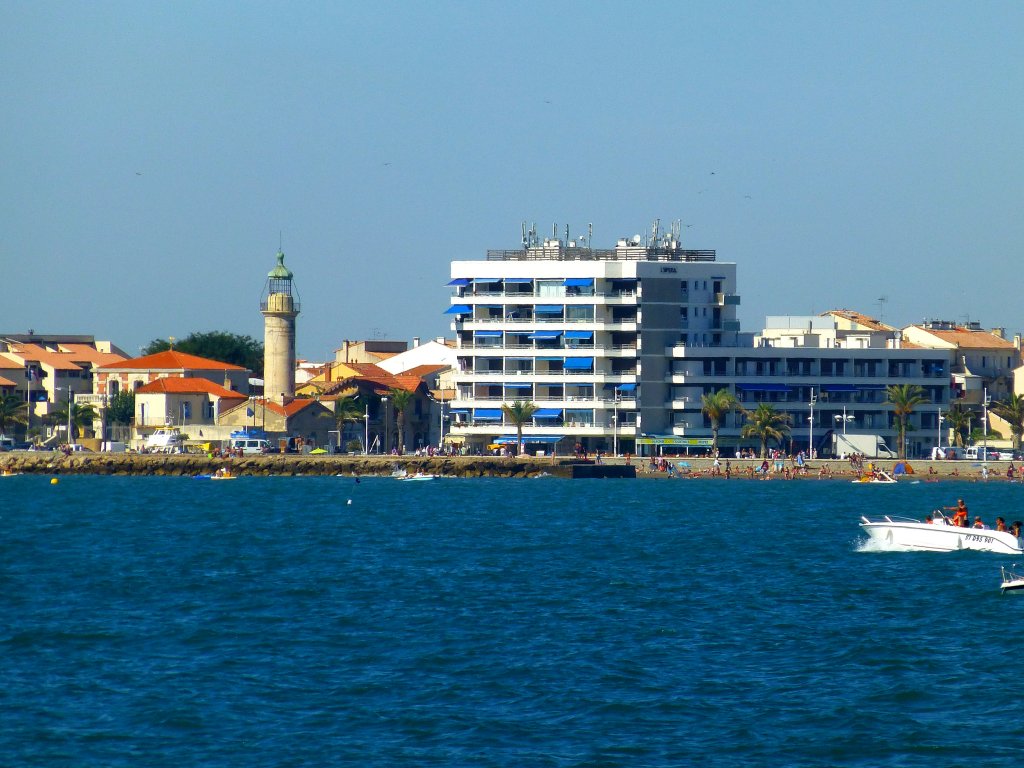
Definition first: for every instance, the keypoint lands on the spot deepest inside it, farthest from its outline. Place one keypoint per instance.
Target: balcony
(727, 299)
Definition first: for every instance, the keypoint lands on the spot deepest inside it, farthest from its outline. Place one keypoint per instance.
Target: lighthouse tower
(279, 306)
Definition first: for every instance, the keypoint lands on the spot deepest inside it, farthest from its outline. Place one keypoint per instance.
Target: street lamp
(384, 400)
(71, 396)
(984, 433)
(844, 419)
(615, 424)
(938, 426)
(810, 433)
(366, 430)
(440, 440)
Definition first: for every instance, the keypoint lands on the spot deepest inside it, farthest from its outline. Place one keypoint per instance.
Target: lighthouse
(279, 306)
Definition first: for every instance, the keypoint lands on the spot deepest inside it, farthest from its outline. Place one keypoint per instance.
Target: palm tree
(82, 416)
(518, 413)
(959, 419)
(346, 411)
(1012, 410)
(400, 399)
(715, 406)
(12, 409)
(766, 423)
(903, 398)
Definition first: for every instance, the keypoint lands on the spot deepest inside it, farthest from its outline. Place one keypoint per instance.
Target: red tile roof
(188, 385)
(6, 382)
(14, 365)
(966, 338)
(381, 378)
(59, 361)
(88, 354)
(171, 360)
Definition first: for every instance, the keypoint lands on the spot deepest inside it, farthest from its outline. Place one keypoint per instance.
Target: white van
(250, 444)
(981, 453)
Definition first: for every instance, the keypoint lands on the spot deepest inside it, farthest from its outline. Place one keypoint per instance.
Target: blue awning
(548, 413)
(488, 334)
(487, 414)
(579, 363)
(459, 309)
(518, 385)
(537, 439)
(765, 387)
(838, 388)
(544, 335)
(460, 411)
(509, 280)
(459, 281)
(578, 282)
(874, 387)
(486, 279)
(626, 387)
(550, 359)
(579, 334)
(550, 309)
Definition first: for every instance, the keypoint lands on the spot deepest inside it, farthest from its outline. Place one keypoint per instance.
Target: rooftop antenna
(882, 301)
(654, 232)
(526, 243)
(554, 231)
(280, 241)
(590, 235)
(566, 235)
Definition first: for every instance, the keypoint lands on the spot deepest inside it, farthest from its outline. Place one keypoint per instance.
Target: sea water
(541, 622)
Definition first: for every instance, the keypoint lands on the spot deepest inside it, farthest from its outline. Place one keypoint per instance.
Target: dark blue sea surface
(543, 622)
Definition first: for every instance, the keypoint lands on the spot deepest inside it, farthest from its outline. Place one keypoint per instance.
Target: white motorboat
(939, 535)
(418, 476)
(1012, 581)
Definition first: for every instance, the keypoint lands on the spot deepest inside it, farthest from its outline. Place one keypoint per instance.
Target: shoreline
(187, 465)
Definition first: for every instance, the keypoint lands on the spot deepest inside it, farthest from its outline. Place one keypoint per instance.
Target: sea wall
(54, 463)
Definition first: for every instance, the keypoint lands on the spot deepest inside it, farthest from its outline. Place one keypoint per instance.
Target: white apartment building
(582, 333)
(816, 367)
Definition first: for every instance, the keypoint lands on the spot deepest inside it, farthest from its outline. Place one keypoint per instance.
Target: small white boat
(417, 476)
(893, 532)
(1012, 581)
(878, 476)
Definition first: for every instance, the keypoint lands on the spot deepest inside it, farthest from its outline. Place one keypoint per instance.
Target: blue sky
(153, 153)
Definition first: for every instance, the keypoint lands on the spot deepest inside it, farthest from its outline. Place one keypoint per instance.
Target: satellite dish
(636, 240)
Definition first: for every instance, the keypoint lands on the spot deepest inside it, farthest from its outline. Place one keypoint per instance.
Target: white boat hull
(902, 533)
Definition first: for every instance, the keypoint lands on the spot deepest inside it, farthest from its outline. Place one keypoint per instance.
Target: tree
(715, 406)
(400, 399)
(959, 419)
(903, 398)
(222, 346)
(82, 417)
(346, 411)
(765, 423)
(1012, 410)
(121, 408)
(518, 413)
(12, 409)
